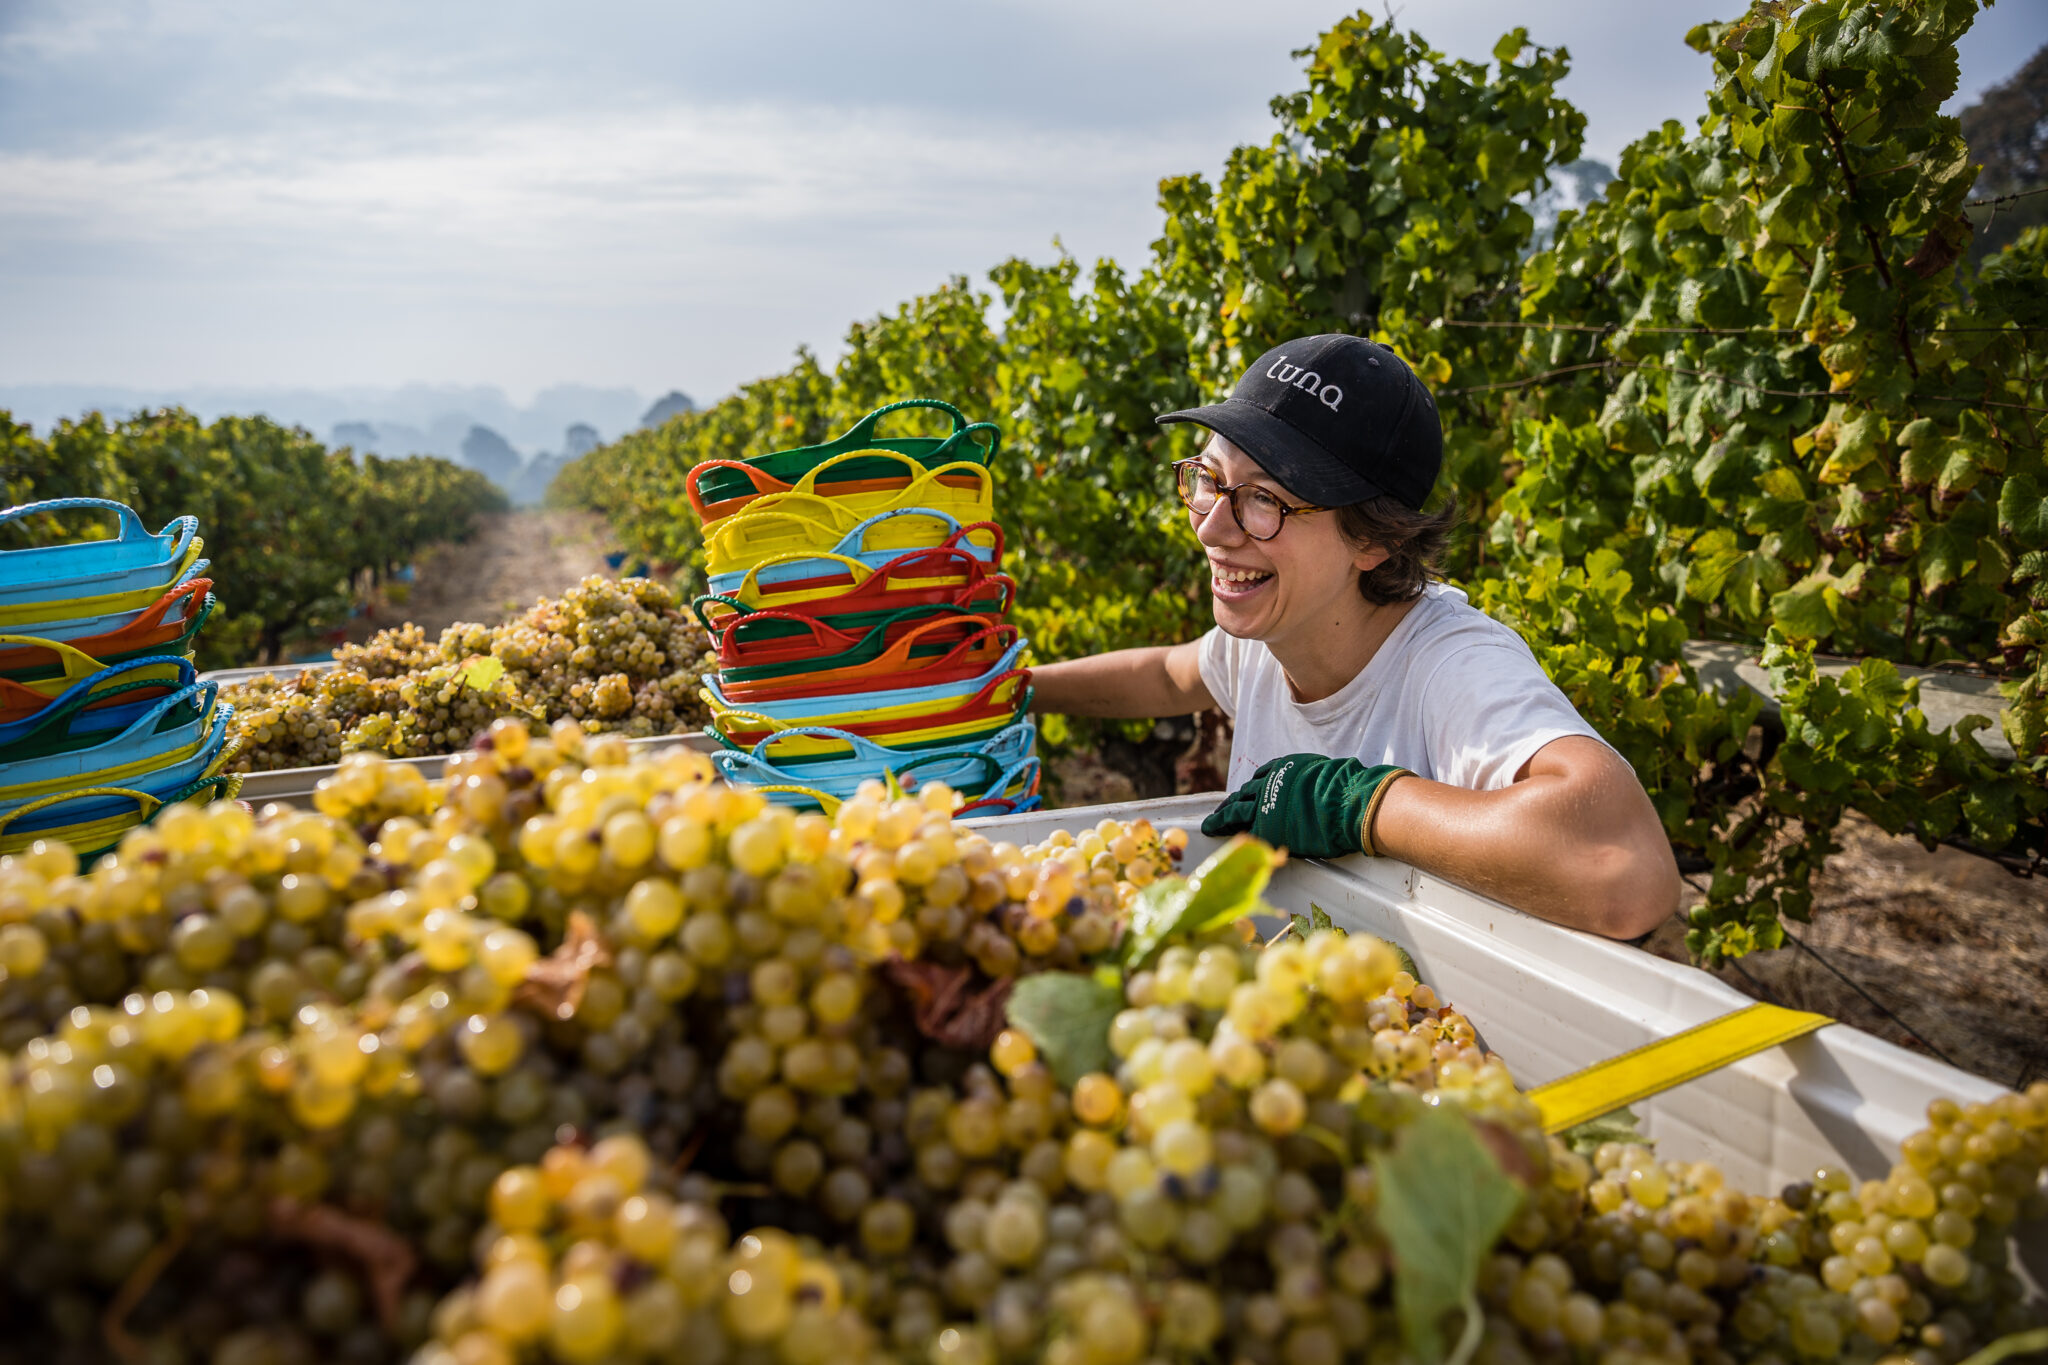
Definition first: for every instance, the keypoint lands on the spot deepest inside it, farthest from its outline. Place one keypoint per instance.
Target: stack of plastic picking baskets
(102, 719)
(857, 606)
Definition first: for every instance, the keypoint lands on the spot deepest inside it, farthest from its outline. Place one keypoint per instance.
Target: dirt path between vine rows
(1949, 950)
(514, 558)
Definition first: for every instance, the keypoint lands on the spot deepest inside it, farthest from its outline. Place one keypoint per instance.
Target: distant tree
(2008, 133)
(491, 455)
(580, 439)
(359, 436)
(671, 404)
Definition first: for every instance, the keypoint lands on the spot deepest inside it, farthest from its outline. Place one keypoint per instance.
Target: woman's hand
(1312, 806)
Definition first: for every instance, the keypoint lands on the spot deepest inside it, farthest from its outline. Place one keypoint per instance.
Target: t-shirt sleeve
(1221, 666)
(1488, 709)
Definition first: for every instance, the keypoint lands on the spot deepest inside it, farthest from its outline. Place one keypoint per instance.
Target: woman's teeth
(1240, 575)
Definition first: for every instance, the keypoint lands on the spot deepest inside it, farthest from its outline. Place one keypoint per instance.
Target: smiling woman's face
(1305, 577)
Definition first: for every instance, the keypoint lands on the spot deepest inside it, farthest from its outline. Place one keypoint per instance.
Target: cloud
(633, 192)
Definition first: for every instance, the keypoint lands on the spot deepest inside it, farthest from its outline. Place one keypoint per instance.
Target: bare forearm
(1123, 684)
(1587, 860)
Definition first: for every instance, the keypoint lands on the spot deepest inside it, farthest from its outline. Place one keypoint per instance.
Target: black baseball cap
(1335, 420)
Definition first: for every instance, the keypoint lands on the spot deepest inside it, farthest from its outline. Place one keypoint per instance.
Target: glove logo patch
(1271, 797)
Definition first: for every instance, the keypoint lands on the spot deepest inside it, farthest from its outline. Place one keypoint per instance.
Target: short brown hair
(1414, 542)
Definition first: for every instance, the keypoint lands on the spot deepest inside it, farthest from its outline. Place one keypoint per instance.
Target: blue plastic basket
(71, 816)
(89, 799)
(72, 710)
(72, 628)
(132, 561)
(159, 736)
(1007, 747)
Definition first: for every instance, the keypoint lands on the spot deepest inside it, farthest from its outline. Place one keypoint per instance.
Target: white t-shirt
(1452, 694)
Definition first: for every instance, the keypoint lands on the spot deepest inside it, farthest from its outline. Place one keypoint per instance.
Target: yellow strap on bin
(1655, 1067)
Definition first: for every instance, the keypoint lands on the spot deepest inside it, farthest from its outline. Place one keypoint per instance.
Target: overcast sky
(649, 195)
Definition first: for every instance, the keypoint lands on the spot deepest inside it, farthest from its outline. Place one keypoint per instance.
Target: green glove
(1312, 806)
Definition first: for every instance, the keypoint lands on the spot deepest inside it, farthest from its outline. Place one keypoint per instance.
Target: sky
(236, 196)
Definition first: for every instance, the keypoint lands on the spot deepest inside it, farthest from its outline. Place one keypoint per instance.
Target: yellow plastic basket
(752, 595)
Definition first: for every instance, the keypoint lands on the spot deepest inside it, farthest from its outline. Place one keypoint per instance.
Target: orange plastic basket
(895, 666)
(155, 627)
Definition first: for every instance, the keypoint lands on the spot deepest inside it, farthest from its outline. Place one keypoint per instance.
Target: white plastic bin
(294, 786)
(1552, 1000)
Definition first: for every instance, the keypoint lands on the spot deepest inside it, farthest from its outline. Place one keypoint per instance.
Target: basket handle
(913, 468)
(735, 713)
(959, 469)
(146, 803)
(153, 615)
(738, 527)
(990, 767)
(860, 571)
(131, 525)
(864, 429)
(857, 538)
(704, 619)
(726, 630)
(857, 743)
(910, 637)
(984, 434)
(995, 532)
(141, 725)
(912, 560)
(753, 476)
(78, 665)
(966, 646)
(985, 695)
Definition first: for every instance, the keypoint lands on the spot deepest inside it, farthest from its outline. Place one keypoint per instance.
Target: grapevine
(290, 526)
(1755, 392)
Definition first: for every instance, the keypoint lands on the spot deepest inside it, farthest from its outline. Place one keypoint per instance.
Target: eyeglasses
(1259, 514)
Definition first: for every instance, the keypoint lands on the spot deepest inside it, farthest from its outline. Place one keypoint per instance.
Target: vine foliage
(289, 524)
(1755, 394)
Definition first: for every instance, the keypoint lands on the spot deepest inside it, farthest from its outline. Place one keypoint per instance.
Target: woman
(1376, 710)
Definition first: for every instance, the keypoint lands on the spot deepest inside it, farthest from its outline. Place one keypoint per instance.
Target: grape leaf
(2023, 511)
(1154, 913)
(1223, 889)
(1067, 1016)
(482, 673)
(1443, 1202)
(1226, 886)
(1806, 610)
(1619, 1126)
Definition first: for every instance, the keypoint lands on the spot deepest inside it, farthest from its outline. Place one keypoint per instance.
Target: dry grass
(515, 558)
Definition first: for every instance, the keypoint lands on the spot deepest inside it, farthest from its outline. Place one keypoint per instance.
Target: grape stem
(114, 1323)
(2019, 1343)
(386, 1258)
(1468, 1336)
